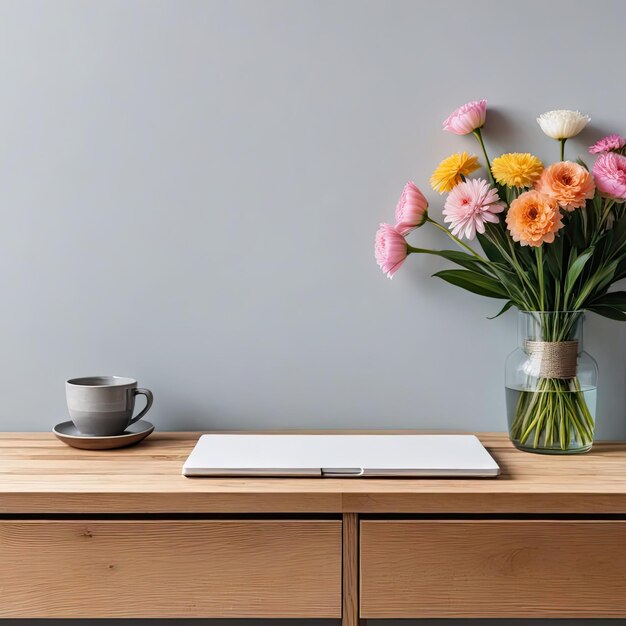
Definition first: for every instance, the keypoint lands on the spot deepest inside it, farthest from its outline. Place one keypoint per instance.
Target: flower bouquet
(552, 242)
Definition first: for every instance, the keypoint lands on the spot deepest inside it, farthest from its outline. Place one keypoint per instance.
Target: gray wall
(189, 193)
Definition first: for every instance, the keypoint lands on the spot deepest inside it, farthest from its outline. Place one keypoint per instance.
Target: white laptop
(340, 456)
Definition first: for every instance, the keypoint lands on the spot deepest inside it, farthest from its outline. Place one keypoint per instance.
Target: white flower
(562, 124)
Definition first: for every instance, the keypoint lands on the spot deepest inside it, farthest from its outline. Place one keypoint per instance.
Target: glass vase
(551, 385)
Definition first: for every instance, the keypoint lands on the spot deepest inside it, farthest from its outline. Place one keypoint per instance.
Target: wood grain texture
(350, 614)
(39, 474)
(493, 569)
(264, 569)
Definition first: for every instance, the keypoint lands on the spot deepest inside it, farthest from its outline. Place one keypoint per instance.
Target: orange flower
(534, 218)
(570, 184)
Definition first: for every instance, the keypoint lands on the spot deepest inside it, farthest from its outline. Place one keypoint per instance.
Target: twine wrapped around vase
(553, 359)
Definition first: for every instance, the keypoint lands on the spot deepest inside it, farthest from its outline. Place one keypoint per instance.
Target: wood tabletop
(41, 475)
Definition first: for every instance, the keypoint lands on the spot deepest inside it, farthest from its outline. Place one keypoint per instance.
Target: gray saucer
(68, 433)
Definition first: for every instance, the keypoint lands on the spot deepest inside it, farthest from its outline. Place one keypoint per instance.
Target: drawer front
(482, 569)
(170, 569)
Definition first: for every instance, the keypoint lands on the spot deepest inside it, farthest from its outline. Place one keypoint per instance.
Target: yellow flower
(517, 169)
(450, 171)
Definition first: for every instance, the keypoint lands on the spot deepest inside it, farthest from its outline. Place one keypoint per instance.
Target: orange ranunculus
(534, 218)
(570, 184)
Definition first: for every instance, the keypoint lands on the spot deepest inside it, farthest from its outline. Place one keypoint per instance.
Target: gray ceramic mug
(102, 406)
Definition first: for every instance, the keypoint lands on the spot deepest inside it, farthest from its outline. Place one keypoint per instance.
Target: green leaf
(574, 229)
(615, 299)
(490, 249)
(597, 283)
(619, 236)
(597, 201)
(581, 162)
(554, 258)
(594, 215)
(575, 270)
(608, 311)
(504, 309)
(476, 283)
(606, 276)
(621, 269)
(460, 258)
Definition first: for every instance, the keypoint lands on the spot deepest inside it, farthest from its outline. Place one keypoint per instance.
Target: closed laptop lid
(340, 456)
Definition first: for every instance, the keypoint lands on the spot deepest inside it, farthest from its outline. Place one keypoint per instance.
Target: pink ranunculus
(467, 118)
(470, 205)
(390, 249)
(609, 173)
(412, 209)
(608, 144)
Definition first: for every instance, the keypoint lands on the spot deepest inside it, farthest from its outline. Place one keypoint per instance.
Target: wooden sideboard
(124, 534)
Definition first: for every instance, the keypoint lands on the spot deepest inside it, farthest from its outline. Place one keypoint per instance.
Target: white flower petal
(562, 124)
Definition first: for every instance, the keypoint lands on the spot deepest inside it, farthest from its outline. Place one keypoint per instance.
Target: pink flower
(467, 118)
(412, 209)
(608, 144)
(390, 249)
(469, 205)
(610, 175)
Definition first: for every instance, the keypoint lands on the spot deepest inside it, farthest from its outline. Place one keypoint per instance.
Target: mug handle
(149, 400)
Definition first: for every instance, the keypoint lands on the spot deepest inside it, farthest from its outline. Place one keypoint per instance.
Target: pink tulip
(609, 173)
(412, 209)
(390, 249)
(467, 118)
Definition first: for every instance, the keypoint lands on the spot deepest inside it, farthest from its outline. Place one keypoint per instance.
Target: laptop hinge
(341, 472)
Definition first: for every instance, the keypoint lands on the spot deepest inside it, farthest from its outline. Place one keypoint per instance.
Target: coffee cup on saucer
(103, 406)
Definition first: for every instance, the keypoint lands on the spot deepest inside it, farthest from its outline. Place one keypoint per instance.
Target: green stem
(520, 270)
(562, 141)
(539, 253)
(516, 266)
(555, 415)
(454, 238)
(479, 136)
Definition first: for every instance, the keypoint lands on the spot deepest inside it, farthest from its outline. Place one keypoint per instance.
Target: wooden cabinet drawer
(482, 569)
(234, 568)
